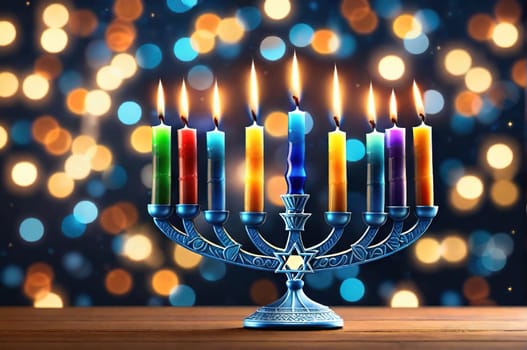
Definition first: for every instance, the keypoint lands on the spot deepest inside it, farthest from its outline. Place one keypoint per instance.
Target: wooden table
(221, 328)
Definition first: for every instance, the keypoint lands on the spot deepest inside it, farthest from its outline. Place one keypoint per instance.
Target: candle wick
(216, 122)
(161, 118)
(336, 119)
(394, 121)
(372, 123)
(253, 115)
(422, 116)
(184, 120)
(297, 101)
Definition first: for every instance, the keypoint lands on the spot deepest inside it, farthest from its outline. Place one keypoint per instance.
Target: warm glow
(163, 281)
(276, 124)
(393, 107)
(504, 193)
(216, 107)
(505, 35)
(8, 31)
(418, 100)
(125, 63)
(118, 282)
(60, 185)
(98, 102)
(372, 115)
(55, 16)
(499, 156)
(253, 91)
(3, 137)
(109, 78)
(337, 99)
(8, 84)
(391, 67)
(81, 144)
(183, 102)
(478, 79)
(469, 187)
(35, 87)
(49, 301)
(454, 249)
(277, 9)
(295, 78)
(202, 41)
(185, 258)
(100, 157)
(141, 139)
(230, 30)
(428, 250)
(325, 41)
(404, 298)
(54, 40)
(407, 26)
(24, 174)
(458, 61)
(77, 166)
(137, 247)
(160, 100)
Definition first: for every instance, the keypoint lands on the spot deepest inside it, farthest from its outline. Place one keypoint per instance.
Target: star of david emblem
(295, 260)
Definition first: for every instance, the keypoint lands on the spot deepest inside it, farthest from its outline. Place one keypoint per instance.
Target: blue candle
(216, 160)
(375, 159)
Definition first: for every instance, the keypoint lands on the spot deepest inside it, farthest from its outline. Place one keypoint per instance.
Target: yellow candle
(337, 177)
(254, 154)
(424, 176)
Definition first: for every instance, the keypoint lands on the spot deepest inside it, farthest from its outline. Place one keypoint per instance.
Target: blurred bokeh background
(77, 88)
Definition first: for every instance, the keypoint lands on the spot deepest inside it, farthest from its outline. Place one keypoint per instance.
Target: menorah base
(294, 310)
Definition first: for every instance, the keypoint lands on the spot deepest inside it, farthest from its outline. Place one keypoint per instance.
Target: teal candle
(216, 169)
(296, 173)
(161, 162)
(375, 177)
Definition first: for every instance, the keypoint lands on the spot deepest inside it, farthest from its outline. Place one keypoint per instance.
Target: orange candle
(337, 177)
(424, 176)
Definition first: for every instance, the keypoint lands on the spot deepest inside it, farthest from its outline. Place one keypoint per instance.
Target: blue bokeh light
(301, 35)
(347, 47)
(451, 298)
(129, 112)
(21, 132)
(31, 229)
(98, 53)
(320, 280)
(85, 212)
(69, 80)
(148, 56)
(212, 270)
(182, 295)
(451, 170)
(461, 125)
(200, 77)
(387, 8)
(272, 48)
(115, 177)
(352, 289)
(347, 272)
(181, 6)
(434, 101)
(250, 17)
(355, 150)
(95, 188)
(429, 19)
(416, 45)
(227, 50)
(71, 227)
(83, 300)
(184, 51)
(12, 276)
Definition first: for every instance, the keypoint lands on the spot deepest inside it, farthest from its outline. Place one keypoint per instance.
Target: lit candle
(187, 153)
(396, 147)
(216, 158)
(375, 158)
(254, 153)
(161, 162)
(337, 178)
(424, 177)
(296, 174)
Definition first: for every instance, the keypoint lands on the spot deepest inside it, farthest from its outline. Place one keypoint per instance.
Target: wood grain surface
(221, 328)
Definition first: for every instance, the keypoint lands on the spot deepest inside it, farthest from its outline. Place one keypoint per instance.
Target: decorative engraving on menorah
(294, 309)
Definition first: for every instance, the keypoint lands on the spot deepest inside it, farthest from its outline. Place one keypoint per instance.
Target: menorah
(294, 309)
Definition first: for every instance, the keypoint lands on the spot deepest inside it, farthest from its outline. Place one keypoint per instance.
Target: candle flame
(295, 79)
(372, 115)
(393, 107)
(160, 101)
(253, 91)
(337, 100)
(419, 106)
(183, 103)
(216, 107)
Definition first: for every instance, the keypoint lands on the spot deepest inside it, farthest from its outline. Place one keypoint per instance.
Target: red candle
(187, 155)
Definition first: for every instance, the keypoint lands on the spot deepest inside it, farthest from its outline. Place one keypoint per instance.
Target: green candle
(161, 159)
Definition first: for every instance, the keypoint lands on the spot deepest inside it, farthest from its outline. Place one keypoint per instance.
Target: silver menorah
(294, 310)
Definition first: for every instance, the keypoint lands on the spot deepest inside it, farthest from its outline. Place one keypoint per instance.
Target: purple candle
(396, 149)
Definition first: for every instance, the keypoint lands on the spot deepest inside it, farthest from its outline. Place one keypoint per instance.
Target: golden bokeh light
(406, 26)
(76, 100)
(361, 18)
(77, 166)
(8, 84)
(42, 126)
(100, 157)
(60, 185)
(505, 35)
(37, 282)
(8, 31)
(519, 73)
(54, 40)
(49, 66)
(476, 288)
(128, 10)
(98, 102)
(4, 137)
(202, 41)
(462, 204)
(57, 141)
(325, 41)
(35, 86)
(508, 10)
(49, 301)
(468, 103)
(454, 249)
(118, 217)
(499, 156)
(125, 64)
(118, 282)
(480, 26)
(504, 193)
(478, 79)
(276, 186)
(185, 258)
(141, 139)
(277, 9)
(427, 250)
(83, 22)
(55, 15)
(263, 292)
(208, 22)
(109, 78)
(137, 247)
(230, 30)
(276, 124)
(458, 61)
(82, 143)
(120, 35)
(404, 298)
(24, 173)
(469, 186)
(391, 67)
(163, 281)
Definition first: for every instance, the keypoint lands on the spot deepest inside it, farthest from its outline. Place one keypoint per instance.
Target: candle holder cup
(294, 310)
